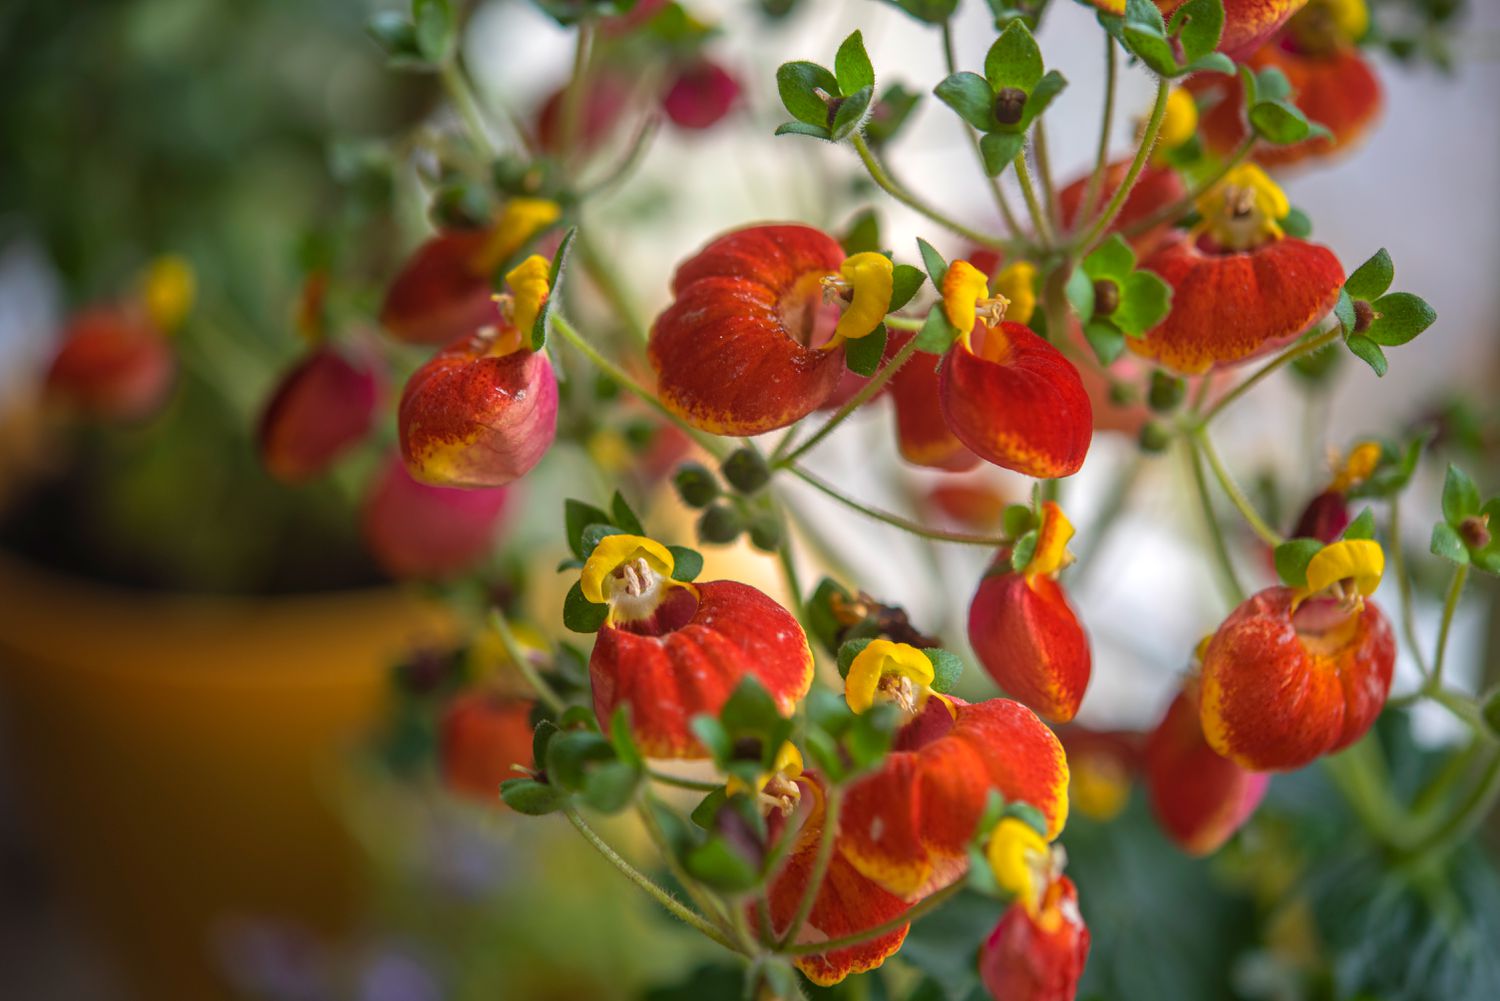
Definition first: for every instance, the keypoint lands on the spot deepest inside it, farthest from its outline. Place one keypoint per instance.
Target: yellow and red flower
(1199, 797)
(419, 531)
(671, 650)
(1006, 394)
(1025, 632)
(322, 408)
(443, 291)
(753, 339)
(1240, 286)
(483, 411)
(482, 736)
(1330, 82)
(1293, 674)
(1038, 950)
(1327, 514)
(1247, 23)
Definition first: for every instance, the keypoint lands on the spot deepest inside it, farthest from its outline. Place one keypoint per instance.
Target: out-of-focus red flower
(1199, 797)
(1155, 189)
(1247, 23)
(672, 650)
(1037, 956)
(977, 505)
(419, 531)
(601, 110)
(922, 433)
(1101, 765)
(1025, 632)
(701, 94)
(321, 408)
(112, 364)
(483, 734)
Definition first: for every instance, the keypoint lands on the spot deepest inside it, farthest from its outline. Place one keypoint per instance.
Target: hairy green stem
(1229, 581)
(1127, 184)
(518, 656)
(832, 808)
(1095, 182)
(457, 85)
(896, 520)
(1403, 583)
(866, 393)
(1012, 224)
(1232, 490)
(1455, 591)
(1039, 221)
(696, 785)
(1306, 346)
(1183, 205)
(884, 180)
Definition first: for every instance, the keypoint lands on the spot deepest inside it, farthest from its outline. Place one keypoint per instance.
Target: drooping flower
(1101, 765)
(1247, 23)
(1327, 514)
(922, 433)
(602, 107)
(1331, 83)
(443, 291)
(672, 650)
(321, 408)
(752, 341)
(419, 531)
(1293, 674)
(1240, 286)
(977, 505)
(700, 95)
(1025, 632)
(482, 736)
(1006, 394)
(1199, 797)
(1037, 951)
(483, 411)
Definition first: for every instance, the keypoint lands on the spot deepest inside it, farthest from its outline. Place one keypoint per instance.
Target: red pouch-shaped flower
(1293, 674)
(322, 408)
(700, 95)
(482, 735)
(1025, 632)
(922, 434)
(419, 531)
(483, 411)
(1037, 953)
(671, 650)
(752, 342)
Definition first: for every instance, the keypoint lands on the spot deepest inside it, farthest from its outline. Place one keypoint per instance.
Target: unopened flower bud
(1364, 315)
(746, 470)
(696, 485)
(1475, 530)
(1166, 391)
(765, 532)
(1106, 297)
(1155, 437)
(720, 524)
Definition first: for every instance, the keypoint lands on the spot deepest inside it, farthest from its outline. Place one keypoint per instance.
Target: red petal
(416, 530)
(921, 432)
(1041, 960)
(482, 735)
(1030, 641)
(112, 364)
(702, 94)
(323, 407)
(439, 295)
(1155, 188)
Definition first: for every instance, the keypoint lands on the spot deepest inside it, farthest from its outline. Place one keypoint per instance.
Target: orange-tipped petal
(482, 736)
(1230, 307)
(1027, 636)
(322, 408)
(442, 292)
(687, 658)
(419, 531)
(473, 418)
(741, 350)
(921, 432)
(1037, 958)
(1199, 797)
(1282, 687)
(1015, 401)
(112, 364)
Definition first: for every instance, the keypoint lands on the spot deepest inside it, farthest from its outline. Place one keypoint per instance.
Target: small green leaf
(1368, 352)
(1460, 496)
(1297, 223)
(863, 354)
(1145, 301)
(1373, 278)
(1362, 527)
(852, 114)
(576, 517)
(1197, 25)
(1024, 549)
(1271, 84)
(937, 334)
(947, 668)
(999, 150)
(1014, 60)
(1447, 543)
(717, 865)
(891, 113)
(970, 96)
(1113, 259)
(1280, 122)
(1106, 340)
(433, 21)
(534, 799)
(571, 755)
(1017, 520)
(1399, 317)
(803, 129)
(580, 614)
(849, 651)
(687, 563)
(712, 735)
(594, 534)
(862, 234)
(1214, 62)
(1292, 558)
(906, 282)
(1153, 49)
(1042, 95)
(1080, 293)
(930, 11)
(703, 814)
(851, 66)
(623, 516)
(1344, 311)
(799, 83)
(1028, 815)
(610, 787)
(554, 282)
(933, 262)
(750, 709)
(397, 38)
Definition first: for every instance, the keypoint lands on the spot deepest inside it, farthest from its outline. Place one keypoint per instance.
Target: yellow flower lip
(168, 289)
(1357, 467)
(1051, 554)
(1021, 862)
(621, 567)
(966, 295)
(528, 285)
(871, 278)
(1360, 561)
(901, 670)
(1180, 121)
(1016, 283)
(779, 785)
(1244, 209)
(519, 221)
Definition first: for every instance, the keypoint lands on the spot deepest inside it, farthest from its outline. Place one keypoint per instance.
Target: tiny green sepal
(851, 65)
(937, 334)
(1362, 527)
(1447, 543)
(863, 354)
(1460, 496)
(554, 280)
(580, 614)
(933, 262)
(687, 563)
(947, 668)
(1372, 279)
(1292, 558)
(906, 282)
(532, 798)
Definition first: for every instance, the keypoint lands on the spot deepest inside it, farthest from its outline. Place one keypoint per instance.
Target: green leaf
(1297, 223)
(596, 533)
(1080, 293)
(1460, 496)
(999, 150)
(930, 11)
(570, 756)
(862, 235)
(1024, 549)
(750, 709)
(1113, 259)
(576, 517)
(721, 867)
(863, 354)
(1344, 311)
(970, 96)
(687, 563)
(1281, 122)
(849, 651)
(947, 668)
(533, 798)
(1042, 95)
(1145, 301)
(1017, 520)
(851, 66)
(1447, 543)
(1271, 84)
(712, 735)
(580, 614)
(397, 38)
(937, 334)
(891, 113)
(1373, 278)
(1028, 815)
(623, 516)
(906, 282)
(1399, 317)
(1368, 352)
(933, 262)
(1197, 25)
(1214, 62)
(1362, 527)
(1292, 558)
(554, 283)
(1152, 48)
(434, 23)
(1106, 340)
(1014, 60)
(703, 814)
(798, 84)
(610, 787)
(803, 129)
(852, 114)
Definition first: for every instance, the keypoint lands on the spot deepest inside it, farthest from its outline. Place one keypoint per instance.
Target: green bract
(1371, 317)
(831, 105)
(1141, 298)
(1195, 28)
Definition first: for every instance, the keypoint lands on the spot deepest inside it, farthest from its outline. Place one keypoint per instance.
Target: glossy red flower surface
(1024, 630)
(1037, 957)
(1247, 23)
(1155, 189)
(750, 344)
(481, 413)
(1199, 797)
(1015, 401)
(419, 531)
(321, 409)
(481, 736)
(1284, 683)
(671, 651)
(113, 364)
(922, 433)
(442, 292)
(1230, 306)
(701, 94)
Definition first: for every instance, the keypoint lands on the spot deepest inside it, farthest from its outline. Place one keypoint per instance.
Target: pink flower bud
(416, 530)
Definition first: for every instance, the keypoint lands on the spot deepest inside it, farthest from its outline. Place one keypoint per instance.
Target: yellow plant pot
(174, 755)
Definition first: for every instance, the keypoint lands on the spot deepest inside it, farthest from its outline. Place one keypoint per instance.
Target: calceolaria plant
(815, 774)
